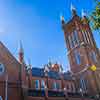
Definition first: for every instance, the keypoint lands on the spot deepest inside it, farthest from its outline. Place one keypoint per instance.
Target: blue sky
(37, 24)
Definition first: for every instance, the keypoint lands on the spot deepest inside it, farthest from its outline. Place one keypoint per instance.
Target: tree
(95, 17)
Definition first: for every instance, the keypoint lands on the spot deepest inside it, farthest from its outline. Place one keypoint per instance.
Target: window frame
(37, 84)
(77, 57)
(93, 56)
(42, 84)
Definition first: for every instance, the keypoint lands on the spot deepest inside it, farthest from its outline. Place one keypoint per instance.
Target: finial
(61, 67)
(62, 19)
(83, 13)
(29, 63)
(72, 7)
(84, 17)
(73, 10)
(49, 62)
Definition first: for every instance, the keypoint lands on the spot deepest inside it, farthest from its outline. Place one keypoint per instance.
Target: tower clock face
(2, 68)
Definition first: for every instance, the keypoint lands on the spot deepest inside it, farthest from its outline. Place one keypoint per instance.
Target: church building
(19, 81)
(83, 54)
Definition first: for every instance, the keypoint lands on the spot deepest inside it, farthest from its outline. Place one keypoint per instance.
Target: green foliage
(95, 16)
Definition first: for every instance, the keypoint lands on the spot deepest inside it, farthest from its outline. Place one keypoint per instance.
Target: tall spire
(21, 47)
(21, 53)
(73, 9)
(29, 63)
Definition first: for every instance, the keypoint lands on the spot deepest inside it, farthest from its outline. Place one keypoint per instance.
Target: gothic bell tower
(82, 52)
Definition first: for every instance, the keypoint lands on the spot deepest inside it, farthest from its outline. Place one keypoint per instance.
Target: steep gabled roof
(10, 62)
(7, 54)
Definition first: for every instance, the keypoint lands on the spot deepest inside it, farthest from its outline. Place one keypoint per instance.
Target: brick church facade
(82, 53)
(19, 81)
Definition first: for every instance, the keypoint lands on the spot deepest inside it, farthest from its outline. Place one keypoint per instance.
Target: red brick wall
(62, 83)
(12, 71)
(75, 23)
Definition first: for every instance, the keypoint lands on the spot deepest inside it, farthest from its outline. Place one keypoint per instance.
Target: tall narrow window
(73, 39)
(77, 57)
(37, 84)
(83, 84)
(93, 56)
(57, 86)
(75, 35)
(54, 85)
(66, 38)
(67, 42)
(90, 38)
(84, 37)
(87, 36)
(33, 83)
(70, 41)
(43, 84)
(67, 87)
(72, 88)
